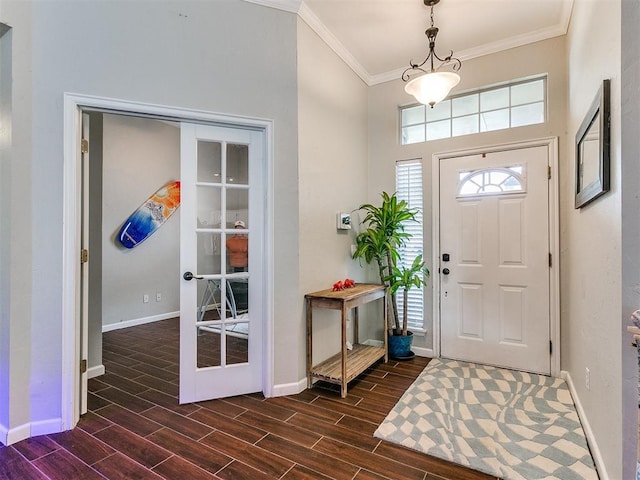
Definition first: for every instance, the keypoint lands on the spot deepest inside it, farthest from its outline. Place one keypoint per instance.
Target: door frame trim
(74, 105)
(554, 236)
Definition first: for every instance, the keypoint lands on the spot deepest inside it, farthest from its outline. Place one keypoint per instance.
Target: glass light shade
(432, 88)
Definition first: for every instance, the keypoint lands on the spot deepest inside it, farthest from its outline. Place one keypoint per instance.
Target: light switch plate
(343, 221)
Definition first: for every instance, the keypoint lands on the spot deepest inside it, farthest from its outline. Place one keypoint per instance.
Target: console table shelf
(358, 360)
(348, 364)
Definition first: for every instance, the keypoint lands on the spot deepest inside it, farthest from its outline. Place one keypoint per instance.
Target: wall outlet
(587, 379)
(158, 296)
(145, 298)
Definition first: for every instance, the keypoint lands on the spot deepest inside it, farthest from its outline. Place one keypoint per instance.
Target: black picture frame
(593, 145)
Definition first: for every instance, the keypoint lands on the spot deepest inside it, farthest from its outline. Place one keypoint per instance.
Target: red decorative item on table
(340, 285)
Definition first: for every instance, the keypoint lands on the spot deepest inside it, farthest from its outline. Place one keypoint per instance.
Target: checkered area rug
(514, 425)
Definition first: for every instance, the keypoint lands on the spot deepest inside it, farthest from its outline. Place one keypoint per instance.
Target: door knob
(445, 271)
(190, 276)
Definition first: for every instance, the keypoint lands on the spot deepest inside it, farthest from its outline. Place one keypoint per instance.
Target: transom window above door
(491, 181)
(500, 107)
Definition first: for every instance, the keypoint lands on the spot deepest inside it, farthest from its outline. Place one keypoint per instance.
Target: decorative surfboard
(150, 216)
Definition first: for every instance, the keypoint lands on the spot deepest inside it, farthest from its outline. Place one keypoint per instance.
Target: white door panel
(222, 304)
(495, 302)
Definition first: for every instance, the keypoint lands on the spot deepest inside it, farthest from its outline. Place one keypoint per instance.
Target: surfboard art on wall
(150, 216)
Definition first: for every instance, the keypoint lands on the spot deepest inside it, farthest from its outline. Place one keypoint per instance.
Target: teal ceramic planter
(400, 346)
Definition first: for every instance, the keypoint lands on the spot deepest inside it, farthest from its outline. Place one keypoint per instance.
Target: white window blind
(409, 188)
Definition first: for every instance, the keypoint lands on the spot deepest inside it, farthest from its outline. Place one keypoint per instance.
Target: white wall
(591, 237)
(20, 269)
(630, 187)
(139, 156)
(5, 221)
(191, 54)
(384, 145)
(332, 139)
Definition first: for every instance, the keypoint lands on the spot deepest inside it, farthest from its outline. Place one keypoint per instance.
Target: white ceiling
(377, 38)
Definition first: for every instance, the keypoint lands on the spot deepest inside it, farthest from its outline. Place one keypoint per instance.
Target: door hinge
(549, 172)
(550, 347)
(83, 366)
(550, 262)
(84, 145)
(84, 255)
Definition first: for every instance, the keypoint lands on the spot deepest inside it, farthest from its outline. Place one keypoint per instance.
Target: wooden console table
(348, 364)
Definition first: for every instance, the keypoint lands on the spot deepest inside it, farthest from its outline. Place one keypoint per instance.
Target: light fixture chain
(430, 85)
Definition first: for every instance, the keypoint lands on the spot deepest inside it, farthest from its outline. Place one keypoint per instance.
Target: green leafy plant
(407, 278)
(381, 240)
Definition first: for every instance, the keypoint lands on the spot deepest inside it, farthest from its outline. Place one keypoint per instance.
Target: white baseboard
(138, 321)
(289, 388)
(422, 352)
(4, 434)
(27, 430)
(419, 351)
(586, 426)
(95, 371)
(14, 435)
(46, 427)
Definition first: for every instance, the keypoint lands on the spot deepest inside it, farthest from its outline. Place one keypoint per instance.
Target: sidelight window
(409, 188)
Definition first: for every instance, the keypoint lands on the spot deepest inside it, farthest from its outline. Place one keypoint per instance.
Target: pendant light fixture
(429, 85)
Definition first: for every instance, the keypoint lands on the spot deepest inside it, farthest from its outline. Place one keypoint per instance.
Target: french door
(221, 305)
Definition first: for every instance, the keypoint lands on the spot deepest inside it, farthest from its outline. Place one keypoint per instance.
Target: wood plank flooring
(136, 429)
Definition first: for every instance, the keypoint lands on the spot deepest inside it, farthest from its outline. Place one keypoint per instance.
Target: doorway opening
(496, 271)
(165, 118)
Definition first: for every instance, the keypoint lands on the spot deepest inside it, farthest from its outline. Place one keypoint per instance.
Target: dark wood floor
(136, 430)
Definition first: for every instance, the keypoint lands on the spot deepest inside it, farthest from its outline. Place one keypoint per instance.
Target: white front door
(221, 295)
(494, 259)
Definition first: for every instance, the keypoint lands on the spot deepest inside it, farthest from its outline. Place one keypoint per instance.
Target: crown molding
(287, 5)
(306, 14)
(310, 18)
(512, 42)
(489, 48)
(387, 76)
(331, 40)
(565, 16)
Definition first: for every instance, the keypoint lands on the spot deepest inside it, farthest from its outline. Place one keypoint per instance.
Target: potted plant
(381, 240)
(405, 278)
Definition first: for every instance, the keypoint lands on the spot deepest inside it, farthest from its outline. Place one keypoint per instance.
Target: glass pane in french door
(209, 162)
(237, 242)
(222, 196)
(238, 332)
(237, 350)
(237, 164)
